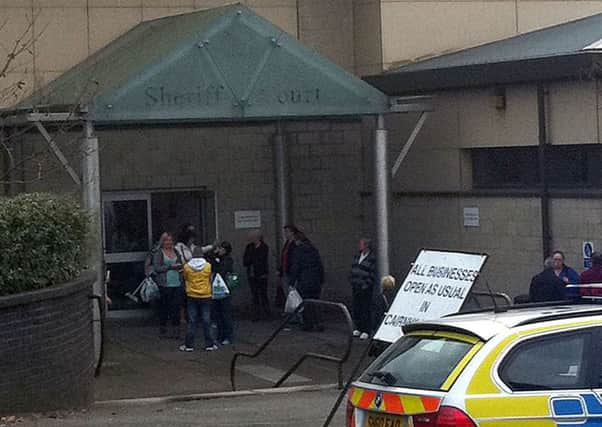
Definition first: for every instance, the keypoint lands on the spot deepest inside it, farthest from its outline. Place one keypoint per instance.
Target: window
(550, 363)
(418, 362)
(567, 166)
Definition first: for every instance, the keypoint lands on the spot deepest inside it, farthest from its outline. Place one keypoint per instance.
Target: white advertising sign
(247, 219)
(437, 284)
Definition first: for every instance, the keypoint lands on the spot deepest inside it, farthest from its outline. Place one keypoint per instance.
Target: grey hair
(367, 241)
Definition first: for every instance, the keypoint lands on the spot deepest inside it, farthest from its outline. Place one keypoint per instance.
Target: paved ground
(139, 364)
(299, 409)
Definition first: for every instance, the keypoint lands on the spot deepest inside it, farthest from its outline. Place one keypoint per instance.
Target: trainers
(211, 348)
(356, 333)
(226, 342)
(186, 349)
(364, 336)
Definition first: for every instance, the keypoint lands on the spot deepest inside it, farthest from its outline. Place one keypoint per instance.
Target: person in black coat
(255, 259)
(307, 276)
(547, 286)
(364, 281)
(223, 264)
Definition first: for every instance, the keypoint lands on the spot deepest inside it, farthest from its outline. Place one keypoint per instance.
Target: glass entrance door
(127, 241)
(133, 223)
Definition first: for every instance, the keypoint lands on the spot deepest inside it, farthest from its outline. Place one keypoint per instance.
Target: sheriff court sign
(437, 284)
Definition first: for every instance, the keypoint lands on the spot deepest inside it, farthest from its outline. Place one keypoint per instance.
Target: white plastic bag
(293, 300)
(219, 289)
(149, 291)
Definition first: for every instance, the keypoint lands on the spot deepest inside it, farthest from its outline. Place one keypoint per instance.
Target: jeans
(169, 305)
(362, 309)
(199, 309)
(222, 314)
(261, 304)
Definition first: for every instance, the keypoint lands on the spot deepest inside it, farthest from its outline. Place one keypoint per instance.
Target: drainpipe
(281, 163)
(382, 177)
(546, 235)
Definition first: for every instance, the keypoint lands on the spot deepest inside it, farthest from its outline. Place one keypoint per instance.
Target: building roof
(225, 63)
(487, 325)
(562, 51)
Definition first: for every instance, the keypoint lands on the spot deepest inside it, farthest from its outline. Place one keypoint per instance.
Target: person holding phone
(167, 266)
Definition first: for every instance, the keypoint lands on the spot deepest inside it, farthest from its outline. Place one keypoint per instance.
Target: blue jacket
(573, 279)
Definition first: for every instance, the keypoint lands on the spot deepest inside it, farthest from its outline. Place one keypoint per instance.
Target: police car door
(550, 377)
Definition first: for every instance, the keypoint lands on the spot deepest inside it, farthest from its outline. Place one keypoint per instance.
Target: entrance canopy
(215, 65)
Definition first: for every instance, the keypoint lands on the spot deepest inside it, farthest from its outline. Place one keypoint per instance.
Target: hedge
(42, 241)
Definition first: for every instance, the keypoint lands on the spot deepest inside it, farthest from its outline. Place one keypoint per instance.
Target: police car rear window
(423, 362)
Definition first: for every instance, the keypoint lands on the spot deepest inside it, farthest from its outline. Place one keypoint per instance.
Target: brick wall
(46, 349)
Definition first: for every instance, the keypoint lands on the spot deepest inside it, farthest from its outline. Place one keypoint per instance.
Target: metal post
(381, 182)
(282, 181)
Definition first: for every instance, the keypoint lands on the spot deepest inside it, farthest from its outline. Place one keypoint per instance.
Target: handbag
(232, 280)
(219, 289)
(293, 301)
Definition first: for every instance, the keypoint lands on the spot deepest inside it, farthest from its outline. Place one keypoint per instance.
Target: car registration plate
(374, 419)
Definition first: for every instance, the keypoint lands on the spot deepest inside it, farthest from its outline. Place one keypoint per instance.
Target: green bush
(42, 241)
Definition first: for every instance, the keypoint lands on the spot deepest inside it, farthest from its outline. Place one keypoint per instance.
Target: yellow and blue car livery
(531, 367)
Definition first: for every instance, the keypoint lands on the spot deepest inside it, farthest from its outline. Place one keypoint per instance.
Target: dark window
(551, 363)
(567, 166)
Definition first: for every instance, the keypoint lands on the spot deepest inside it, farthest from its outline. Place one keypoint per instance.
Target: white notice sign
(247, 219)
(472, 217)
(437, 284)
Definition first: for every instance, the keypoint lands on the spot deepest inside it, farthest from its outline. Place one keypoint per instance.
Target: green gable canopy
(219, 64)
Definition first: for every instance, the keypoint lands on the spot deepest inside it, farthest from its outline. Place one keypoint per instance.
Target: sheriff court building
(450, 125)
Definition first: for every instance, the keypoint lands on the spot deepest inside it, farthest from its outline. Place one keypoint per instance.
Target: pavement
(146, 381)
(302, 409)
(138, 364)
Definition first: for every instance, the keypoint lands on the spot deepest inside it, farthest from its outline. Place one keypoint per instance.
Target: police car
(534, 366)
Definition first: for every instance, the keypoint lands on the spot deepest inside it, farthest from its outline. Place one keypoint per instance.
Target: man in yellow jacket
(197, 275)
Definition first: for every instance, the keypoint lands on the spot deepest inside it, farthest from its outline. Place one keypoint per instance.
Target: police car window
(417, 362)
(551, 363)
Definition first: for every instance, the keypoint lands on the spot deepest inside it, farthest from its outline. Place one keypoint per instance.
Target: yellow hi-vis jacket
(197, 275)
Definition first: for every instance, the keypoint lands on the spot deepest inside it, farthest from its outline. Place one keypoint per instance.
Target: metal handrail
(339, 360)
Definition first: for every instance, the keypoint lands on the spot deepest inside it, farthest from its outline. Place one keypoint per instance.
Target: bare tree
(18, 167)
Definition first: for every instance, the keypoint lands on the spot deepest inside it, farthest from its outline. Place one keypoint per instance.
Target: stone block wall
(46, 349)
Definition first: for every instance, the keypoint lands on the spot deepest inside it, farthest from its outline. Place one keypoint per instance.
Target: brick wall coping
(52, 292)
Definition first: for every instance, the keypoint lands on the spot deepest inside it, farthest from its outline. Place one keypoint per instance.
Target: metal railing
(339, 360)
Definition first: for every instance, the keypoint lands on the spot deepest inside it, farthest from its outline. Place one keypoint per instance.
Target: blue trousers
(222, 312)
(199, 310)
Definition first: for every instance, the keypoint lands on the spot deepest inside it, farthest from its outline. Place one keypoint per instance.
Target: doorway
(133, 223)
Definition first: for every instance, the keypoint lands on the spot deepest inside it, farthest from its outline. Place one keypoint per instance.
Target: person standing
(592, 276)
(255, 259)
(167, 266)
(285, 262)
(565, 273)
(222, 308)
(197, 275)
(186, 242)
(363, 279)
(307, 276)
(546, 286)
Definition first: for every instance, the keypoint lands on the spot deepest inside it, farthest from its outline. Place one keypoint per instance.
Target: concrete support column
(91, 203)
(382, 177)
(281, 164)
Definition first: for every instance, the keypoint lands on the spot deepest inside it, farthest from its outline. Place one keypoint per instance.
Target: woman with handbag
(167, 267)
